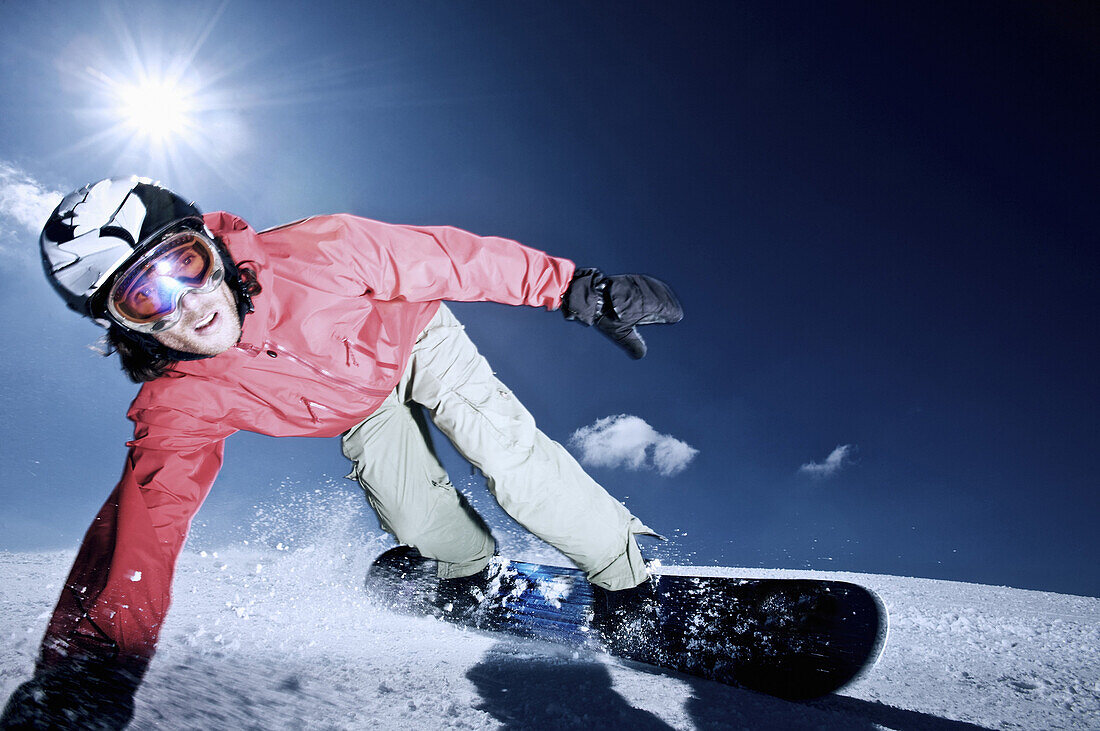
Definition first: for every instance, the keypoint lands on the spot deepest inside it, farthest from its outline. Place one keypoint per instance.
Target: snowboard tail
(791, 638)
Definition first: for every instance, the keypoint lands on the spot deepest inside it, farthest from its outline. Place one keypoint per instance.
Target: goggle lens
(146, 297)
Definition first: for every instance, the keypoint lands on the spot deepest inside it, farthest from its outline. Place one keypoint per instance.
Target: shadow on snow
(525, 690)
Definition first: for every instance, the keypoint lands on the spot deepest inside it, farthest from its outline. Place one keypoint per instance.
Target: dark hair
(139, 365)
(144, 358)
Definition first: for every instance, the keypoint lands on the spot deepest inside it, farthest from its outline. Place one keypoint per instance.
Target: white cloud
(837, 460)
(628, 441)
(25, 204)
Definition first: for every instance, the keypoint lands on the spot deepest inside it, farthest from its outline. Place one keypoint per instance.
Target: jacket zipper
(352, 361)
(322, 372)
(309, 407)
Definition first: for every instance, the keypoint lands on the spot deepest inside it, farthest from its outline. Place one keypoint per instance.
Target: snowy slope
(276, 633)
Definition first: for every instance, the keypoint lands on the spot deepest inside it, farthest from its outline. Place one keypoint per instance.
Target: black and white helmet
(97, 229)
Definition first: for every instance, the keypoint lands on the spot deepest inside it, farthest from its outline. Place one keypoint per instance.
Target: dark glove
(616, 305)
(80, 694)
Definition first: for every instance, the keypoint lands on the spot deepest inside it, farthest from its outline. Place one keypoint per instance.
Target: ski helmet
(96, 230)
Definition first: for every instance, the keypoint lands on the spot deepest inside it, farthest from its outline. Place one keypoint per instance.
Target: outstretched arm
(426, 263)
(421, 263)
(104, 629)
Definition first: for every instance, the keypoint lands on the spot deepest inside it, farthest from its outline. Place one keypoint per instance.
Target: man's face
(208, 324)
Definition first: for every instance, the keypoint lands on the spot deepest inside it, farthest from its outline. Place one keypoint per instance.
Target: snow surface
(274, 631)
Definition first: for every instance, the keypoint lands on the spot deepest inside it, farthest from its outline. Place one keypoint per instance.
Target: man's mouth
(205, 323)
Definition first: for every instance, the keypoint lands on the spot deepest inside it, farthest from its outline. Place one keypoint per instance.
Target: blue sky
(880, 221)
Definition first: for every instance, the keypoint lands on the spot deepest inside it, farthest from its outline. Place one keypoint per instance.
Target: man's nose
(189, 300)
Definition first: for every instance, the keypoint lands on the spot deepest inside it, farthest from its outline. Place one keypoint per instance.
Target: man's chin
(209, 344)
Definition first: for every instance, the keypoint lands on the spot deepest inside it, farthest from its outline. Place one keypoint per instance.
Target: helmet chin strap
(236, 284)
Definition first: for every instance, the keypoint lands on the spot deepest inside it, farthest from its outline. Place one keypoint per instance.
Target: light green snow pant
(534, 479)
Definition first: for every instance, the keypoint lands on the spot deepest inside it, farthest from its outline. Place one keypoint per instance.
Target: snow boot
(460, 599)
(629, 618)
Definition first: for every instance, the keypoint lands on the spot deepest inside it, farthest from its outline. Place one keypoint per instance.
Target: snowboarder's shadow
(527, 688)
(532, 690)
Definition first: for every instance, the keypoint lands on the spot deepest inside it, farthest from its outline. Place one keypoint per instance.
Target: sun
(159, 109)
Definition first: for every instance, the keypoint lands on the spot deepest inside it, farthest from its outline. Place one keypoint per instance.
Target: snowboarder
(329, 326)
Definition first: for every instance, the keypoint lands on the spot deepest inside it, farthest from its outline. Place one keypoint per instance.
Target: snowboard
(792, 638)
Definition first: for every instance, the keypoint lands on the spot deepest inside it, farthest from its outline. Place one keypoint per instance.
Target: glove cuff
(584, 300)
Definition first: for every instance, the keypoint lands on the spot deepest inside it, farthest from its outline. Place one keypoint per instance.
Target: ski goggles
(146, 298)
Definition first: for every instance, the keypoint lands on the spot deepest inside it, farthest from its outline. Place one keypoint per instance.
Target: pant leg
(534, 479)
(410, 491)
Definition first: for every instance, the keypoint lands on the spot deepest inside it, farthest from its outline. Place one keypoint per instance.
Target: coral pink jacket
(343, 301)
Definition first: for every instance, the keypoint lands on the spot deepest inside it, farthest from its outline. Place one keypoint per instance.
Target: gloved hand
(80, 694)
(616, 305)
